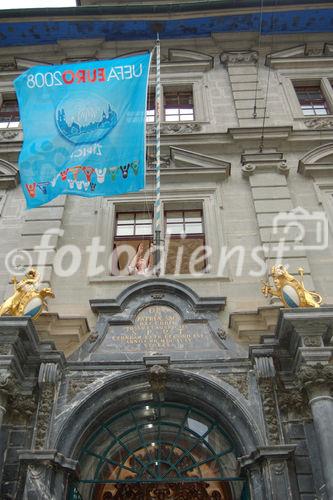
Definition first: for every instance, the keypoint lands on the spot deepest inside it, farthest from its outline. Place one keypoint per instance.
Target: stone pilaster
(267, 174)
(40, 234)
(247, 93)
(265, 371)
(39, 467)
(270, 465)
(47, 382)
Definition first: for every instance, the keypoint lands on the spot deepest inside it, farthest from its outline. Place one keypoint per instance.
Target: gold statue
(27, 299)
(289, 290)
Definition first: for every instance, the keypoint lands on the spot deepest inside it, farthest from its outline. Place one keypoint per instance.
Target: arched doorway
(159, 451)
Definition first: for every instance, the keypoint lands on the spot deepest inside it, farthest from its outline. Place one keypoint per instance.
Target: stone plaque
(158, 329)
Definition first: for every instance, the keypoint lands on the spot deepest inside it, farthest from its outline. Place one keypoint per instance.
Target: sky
(29, 4)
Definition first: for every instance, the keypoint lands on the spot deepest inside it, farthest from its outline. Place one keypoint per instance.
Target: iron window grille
(154, 443)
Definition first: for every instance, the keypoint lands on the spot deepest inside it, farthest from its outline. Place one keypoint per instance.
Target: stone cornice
(277, 452)
(302, 56)
(49, 458)
(305, 334)
(251, 325)
(155, 290)
(312, 170)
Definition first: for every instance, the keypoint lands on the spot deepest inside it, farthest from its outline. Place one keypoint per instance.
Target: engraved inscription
(159, 328)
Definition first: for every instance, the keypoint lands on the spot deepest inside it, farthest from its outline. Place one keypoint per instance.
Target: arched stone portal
(160, 450)
(127, 441)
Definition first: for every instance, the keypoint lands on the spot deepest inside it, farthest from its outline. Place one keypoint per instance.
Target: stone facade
(209, 342)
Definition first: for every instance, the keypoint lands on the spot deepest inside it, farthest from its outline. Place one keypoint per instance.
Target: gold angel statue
(27, 299)
(290, 290)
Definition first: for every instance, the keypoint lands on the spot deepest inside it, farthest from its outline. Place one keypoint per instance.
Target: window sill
(178, 277)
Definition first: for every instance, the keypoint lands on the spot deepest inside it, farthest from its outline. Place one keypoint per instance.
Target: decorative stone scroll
(47, 379)
(7, 135)
(239, 57)
(319, 123)
(175, 128)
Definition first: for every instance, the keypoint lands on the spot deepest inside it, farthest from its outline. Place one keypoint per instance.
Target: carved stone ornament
(157, 296)
(221, 333)
(157, 376)
(151, 162)
(269, 409)
(93, 337)
(7, 382)
(6, 135)
(175, 128)
(44, 415)
(312, 341)
(294, 401)
(311, 376)
(248, 169)
(239, 57)
(5, 349)
(314, 51)
(20, 405)
(319, 123)
(167, 491)
(76, 386)
(236, 380)
(283, 167)
(8, 66)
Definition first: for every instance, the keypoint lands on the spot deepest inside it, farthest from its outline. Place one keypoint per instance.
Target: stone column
(318, 382)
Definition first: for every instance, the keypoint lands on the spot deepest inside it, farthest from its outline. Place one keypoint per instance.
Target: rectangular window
(9, 114)
(178, 105)
(186, 239)
(312, 100)
(132, 230)
(150, 113)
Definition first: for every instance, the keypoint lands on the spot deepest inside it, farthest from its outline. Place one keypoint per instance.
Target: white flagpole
(158, 157)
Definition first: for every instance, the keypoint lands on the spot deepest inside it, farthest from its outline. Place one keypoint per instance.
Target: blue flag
(84, 128)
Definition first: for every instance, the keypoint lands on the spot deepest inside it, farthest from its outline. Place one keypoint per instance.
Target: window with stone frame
(185, 241)
(132, 228)
(177, 104)
(150, 112)
(312, 100)
(183, 237)
(9, 113)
